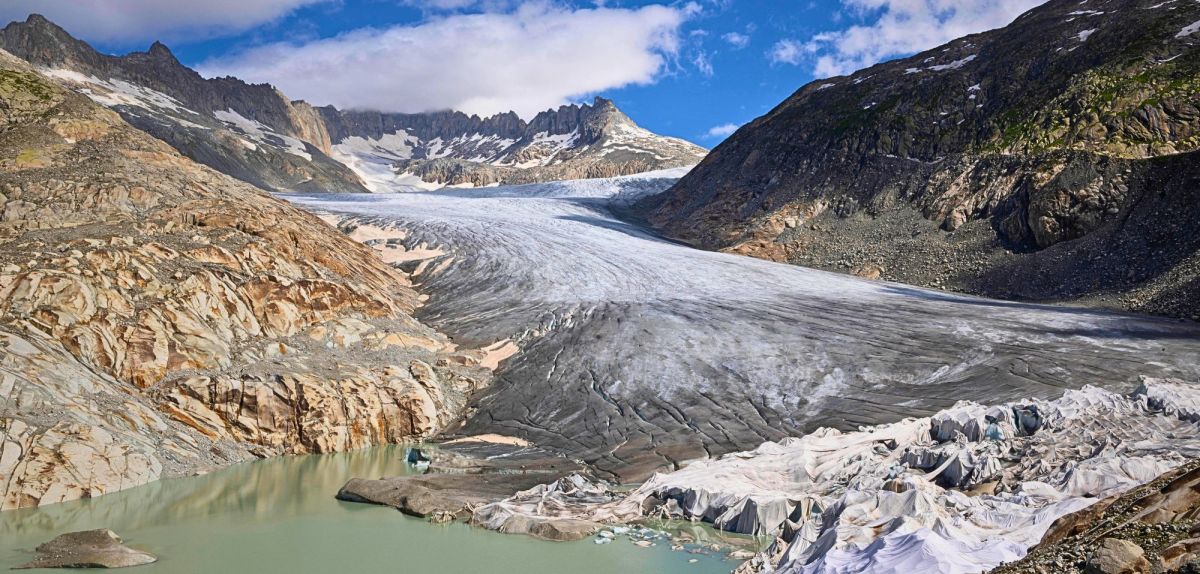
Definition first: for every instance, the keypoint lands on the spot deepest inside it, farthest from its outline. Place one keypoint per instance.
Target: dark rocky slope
(157, 94)
(1051, 160)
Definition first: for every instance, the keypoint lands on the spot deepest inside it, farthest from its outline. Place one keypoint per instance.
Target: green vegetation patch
(1099, 103)
(27, 92)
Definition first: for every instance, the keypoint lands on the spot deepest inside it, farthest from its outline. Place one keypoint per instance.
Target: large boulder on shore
(1116, 556)
(100, 548)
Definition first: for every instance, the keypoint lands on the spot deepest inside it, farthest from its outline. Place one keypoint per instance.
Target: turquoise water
(280, 516)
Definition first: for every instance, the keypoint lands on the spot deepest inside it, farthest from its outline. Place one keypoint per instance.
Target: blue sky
(691, 69)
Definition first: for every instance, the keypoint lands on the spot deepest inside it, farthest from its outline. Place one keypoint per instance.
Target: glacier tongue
(634, 353)
(880, 500)
(923, 495)
(637, 352)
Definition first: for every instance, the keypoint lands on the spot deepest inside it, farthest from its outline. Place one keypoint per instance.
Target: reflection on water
(280, 516)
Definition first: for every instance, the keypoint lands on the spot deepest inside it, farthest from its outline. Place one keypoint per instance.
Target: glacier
(636, 353)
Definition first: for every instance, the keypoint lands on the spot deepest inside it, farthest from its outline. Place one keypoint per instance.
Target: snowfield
(637, 353)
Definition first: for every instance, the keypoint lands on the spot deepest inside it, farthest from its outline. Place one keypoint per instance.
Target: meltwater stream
(280, 516)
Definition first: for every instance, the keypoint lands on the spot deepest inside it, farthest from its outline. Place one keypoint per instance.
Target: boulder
(1180, 554)
(407, 496)
(553, 529)
(1115, 556)
(100, 548)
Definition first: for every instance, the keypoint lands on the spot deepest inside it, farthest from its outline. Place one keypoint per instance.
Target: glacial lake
(280, 516)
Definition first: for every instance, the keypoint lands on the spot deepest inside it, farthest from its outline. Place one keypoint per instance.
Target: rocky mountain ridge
(451, 148)
(158, 318)
(255, 133)
(1053, 159)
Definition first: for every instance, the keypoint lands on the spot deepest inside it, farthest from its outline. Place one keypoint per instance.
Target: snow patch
(261, 134)
(120, 93)
(394, 146)
(1189, 29)
(953, 65)
(942, 67)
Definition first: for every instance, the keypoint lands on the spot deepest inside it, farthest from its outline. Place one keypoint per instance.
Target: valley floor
(636, 353)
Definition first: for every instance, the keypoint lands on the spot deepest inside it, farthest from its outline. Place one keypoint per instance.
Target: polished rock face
(160, 318)
(637, 353)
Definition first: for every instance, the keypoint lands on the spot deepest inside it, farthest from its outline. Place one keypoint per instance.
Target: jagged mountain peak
(46, 43)
(160, 50)
(37, 20)
(601, 102)
(451, 148)
(39, 23)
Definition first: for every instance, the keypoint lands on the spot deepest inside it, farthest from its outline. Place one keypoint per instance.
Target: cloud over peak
(527, 59)
(891, 28)
(139, 20)
(721, 131)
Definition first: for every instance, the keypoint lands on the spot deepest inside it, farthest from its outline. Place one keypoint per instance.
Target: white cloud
(534, 57)
(721, 131)
(451, 5)
(786, 52)
(899, 27)
(143, 20)
(703, 63)
(737, 39)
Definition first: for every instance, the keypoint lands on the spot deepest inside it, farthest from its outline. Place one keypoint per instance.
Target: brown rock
(1076, 522)
(1179, 554)
(1116, 556)
(871, 271)
(553, 529)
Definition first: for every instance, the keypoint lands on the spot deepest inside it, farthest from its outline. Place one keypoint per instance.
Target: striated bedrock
(1054, 158)
(160, 318)
(964, 490)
